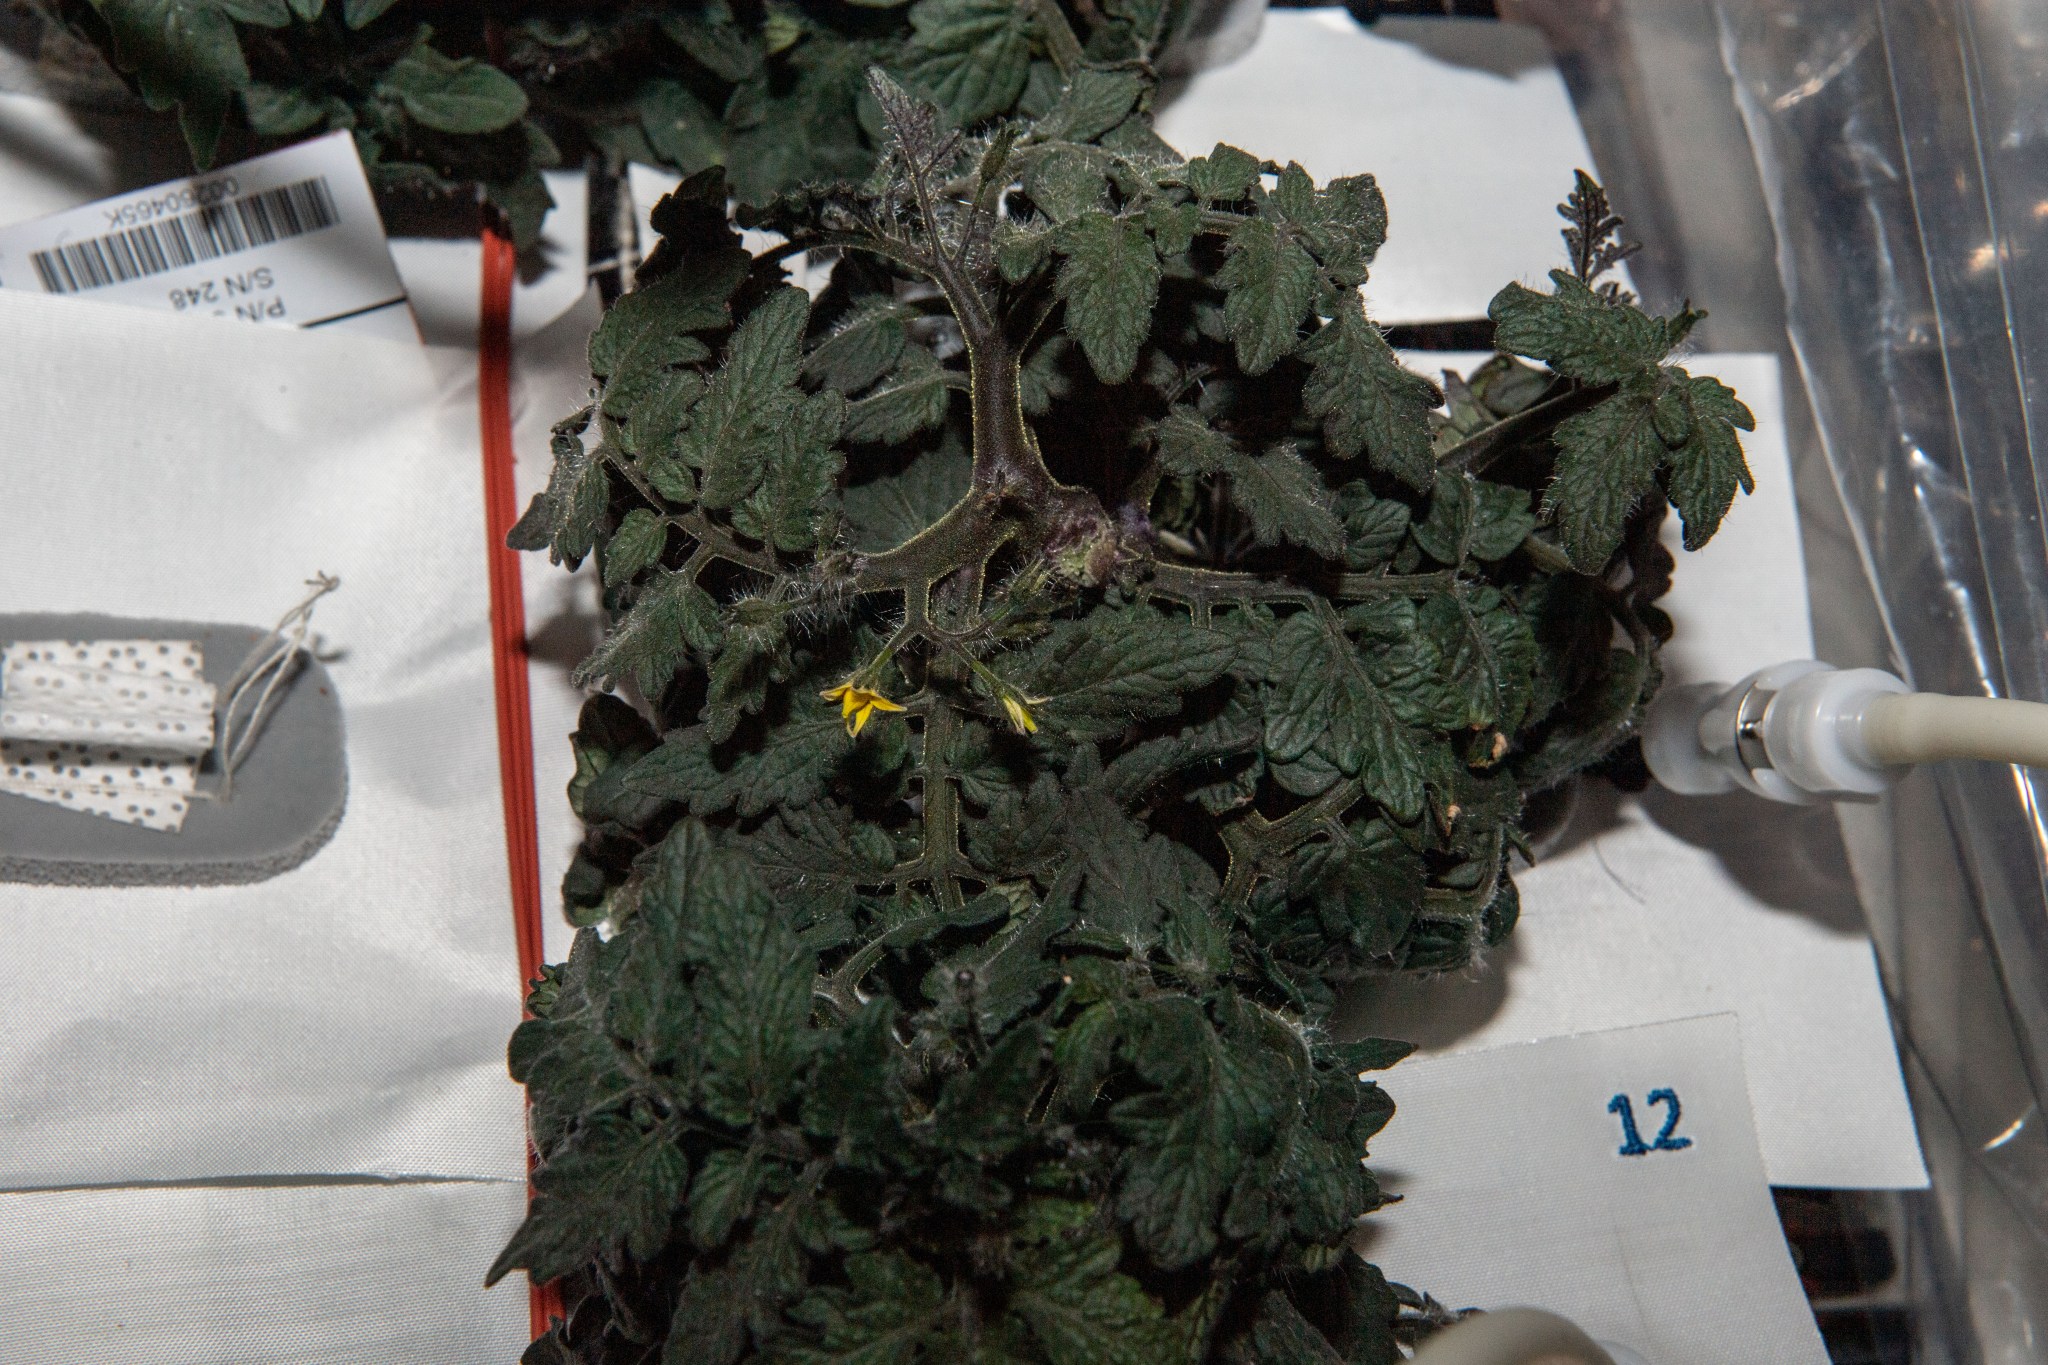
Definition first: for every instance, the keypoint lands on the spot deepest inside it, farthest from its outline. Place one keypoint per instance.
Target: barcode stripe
(204, 234)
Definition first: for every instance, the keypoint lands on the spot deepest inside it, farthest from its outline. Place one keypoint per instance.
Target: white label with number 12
(1611, 1177)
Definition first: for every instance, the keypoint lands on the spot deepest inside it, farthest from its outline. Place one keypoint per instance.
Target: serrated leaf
(1501, 520)
(1173, 227)
(1269, 280)
(1607, 458)
(911, 400)
(722, 47)
(1132, 880)
(798, 488)
(1370, 1054)
(993, 982)
(1483, 655)
(852, 1096)
(1373, 526)
(1212, 1110)
(790, 768)
(983, 1111)
(727, 1184)
(1081, 1311)
(880, 1318)
(616, 1186)
(1322, 699)
(1365, 885)
(970, 57)
(1225, 175)
(1065, 181)
(184, 54)
(1285, 499)
(735, 426)
(1188, 445)
(861, 347)
(566, 1057)
(1117, 665)
(1095, 101)
(753, 997)
(1110, 281)
(280, 111)
(648, 331)
(1282, 1336)
(266, 13)
(362, 13)
(566, 516)
(634, 547)
(1706, 470)
(889, 510)
(453, 95)
(681, 129)
(754, 653)
(1445, 534)
(1349, 228)
(672, 618)
(1577, 332)
(1279, 492)
(1367, 403)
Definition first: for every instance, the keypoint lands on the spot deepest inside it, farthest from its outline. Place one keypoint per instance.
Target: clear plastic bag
(1901, 148)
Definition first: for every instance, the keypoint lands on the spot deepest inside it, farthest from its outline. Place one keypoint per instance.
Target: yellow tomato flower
(1020, 714)
(857, 703)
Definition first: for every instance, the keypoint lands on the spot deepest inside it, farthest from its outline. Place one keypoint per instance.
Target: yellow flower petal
(1019, 716)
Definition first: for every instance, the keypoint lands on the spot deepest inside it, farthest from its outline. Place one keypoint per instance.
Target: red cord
(508, 644)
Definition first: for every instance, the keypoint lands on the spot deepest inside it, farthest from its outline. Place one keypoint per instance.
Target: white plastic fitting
(1520, 1336)
(1802, 731)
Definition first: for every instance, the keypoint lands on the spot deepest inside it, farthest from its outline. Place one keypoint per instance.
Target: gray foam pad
(290, 789)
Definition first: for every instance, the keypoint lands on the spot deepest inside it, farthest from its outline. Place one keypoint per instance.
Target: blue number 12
(1632, 1143)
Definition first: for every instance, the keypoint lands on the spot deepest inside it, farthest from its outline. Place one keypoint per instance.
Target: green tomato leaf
(1367, 403)
(1269, 281)
(1122, 664)
(672, 619)
(453, 95)
(614, 1187)
(634, 547)
(1607, 458)
(1577, 332)
(970, 57)
(1224, 176)
(1708, 468)
(1110, 280)
(363, 13)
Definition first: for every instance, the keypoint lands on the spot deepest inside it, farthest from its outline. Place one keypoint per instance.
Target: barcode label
(204, 234)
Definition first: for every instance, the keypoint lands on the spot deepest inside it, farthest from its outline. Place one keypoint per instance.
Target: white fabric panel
(363, 1274)
(349, 1016)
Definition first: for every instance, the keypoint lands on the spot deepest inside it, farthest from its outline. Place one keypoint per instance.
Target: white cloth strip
(132, 692)
(137, 787)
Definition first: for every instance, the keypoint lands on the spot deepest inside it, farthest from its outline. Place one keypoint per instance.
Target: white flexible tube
(1513, 1336)
(1800, 731)
(1922, 727)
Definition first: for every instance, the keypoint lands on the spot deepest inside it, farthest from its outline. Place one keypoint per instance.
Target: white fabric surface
(1467, 126)
(349, 1016)
(1665, 907)
(1514, 1192)
(564, 615)
(365, 1274)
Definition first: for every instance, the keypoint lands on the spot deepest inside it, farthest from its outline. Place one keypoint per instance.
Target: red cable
(508, 644)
